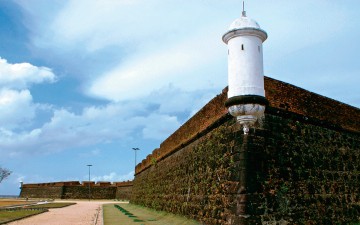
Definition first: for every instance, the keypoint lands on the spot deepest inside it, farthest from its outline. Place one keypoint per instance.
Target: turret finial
(244, 12)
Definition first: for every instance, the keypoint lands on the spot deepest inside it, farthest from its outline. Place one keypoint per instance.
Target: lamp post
(89, 181)
(135, 149)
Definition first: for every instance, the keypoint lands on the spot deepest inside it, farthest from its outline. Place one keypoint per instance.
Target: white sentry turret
(246, 95)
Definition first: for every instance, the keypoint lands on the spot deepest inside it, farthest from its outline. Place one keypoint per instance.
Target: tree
(4, 173)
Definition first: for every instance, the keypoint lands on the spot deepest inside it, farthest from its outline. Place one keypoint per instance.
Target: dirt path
(82, 213)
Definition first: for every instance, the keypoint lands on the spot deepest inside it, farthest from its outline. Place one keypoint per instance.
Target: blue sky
(84, 81)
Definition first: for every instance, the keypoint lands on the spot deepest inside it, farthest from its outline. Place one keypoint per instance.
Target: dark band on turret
(246, 99)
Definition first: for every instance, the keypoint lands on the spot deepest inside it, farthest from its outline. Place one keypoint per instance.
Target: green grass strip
(144, 215)
(7, 216)
(51, 205)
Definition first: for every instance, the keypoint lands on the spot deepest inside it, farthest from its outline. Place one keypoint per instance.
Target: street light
(135, 149)
(89, 181)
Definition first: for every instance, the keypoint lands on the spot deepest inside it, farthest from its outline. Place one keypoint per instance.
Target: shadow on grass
(134, 214)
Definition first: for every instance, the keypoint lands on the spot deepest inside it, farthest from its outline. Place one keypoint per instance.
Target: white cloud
(160, 126)
(93, 21)
(16, 108)
(18, 113)
(22, 75)
(157, 44)
(172, 100)
(289, 34)
(97, 24)
(177, 64)
(163, 44)
(154, 37)
(67, 130)
(114, 177)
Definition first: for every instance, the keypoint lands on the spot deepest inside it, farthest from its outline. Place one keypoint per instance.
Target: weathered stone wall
(193, 181)
(82, 192)
(124, 190)
(75, 190)
(301, 173)
(301, 167)
(41, 192)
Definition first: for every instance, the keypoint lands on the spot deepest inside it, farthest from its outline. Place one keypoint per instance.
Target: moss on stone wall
(124, 192)
(303, 173)
(43, 192)
(197, 181)
(82, 192)
(75, 190)
(292, 170)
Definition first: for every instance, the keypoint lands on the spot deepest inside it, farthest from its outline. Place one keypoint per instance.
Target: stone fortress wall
(77, 190)
(301, 167)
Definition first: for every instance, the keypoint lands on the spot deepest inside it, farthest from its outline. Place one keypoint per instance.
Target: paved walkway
(82, 213)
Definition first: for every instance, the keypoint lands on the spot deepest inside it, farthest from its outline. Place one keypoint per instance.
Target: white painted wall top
(245, 57)
(243, 22)
(244, 26)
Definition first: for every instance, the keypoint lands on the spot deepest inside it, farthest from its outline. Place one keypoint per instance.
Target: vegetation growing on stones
(291, 171)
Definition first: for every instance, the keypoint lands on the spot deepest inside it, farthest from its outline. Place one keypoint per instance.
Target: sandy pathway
(82, 213)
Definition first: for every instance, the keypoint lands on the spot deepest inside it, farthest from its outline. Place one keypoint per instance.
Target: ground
(82, 213)
(91, 213)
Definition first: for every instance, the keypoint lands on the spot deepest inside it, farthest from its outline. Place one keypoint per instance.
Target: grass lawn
(52, 205)
(11, 215)
(125, 213)
(4, 203)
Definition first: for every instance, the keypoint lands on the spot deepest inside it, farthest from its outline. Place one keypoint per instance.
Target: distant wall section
(124, 190)
(77, 190)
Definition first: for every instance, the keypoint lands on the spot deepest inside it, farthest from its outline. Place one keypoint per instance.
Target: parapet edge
(281, 95)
